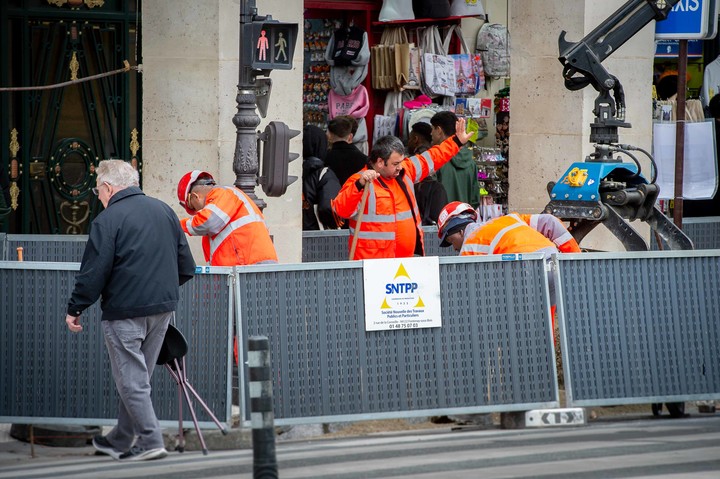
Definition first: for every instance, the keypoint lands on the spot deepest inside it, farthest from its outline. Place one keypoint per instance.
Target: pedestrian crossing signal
(272, 44)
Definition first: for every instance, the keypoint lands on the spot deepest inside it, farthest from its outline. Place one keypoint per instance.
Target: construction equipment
(603, 189)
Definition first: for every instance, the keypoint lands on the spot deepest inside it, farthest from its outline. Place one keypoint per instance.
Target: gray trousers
(133, 345)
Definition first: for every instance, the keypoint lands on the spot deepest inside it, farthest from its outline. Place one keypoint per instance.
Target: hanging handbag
(469, 73)
(438, 70)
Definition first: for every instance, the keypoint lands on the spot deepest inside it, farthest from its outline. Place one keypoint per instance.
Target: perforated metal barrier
(332, 245)
(493, 352)
(51, 375)
(640, 327)
(46, 248)
(704, 233)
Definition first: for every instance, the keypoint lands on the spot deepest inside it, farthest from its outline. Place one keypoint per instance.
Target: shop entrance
(51, 139)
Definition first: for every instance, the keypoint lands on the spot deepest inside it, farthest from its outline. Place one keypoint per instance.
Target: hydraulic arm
(603, 188)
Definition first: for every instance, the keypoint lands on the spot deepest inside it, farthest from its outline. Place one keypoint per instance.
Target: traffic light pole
(246, 120)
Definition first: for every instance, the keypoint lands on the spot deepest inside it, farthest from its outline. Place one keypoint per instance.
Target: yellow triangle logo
(401, 272)
(420, 303)
(385, 304)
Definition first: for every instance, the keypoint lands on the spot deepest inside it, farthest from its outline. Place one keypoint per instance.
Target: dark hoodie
(320, 185)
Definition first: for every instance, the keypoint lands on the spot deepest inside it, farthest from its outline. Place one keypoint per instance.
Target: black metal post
(261, 409)
(246, 120)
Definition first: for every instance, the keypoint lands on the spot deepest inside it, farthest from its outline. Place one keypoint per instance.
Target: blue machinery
(603, 189)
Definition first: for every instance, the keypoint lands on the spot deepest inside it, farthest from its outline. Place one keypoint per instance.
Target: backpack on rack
(493, 44)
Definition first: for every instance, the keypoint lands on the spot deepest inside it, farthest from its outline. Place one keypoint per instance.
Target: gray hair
(118, 173)
(384, 147)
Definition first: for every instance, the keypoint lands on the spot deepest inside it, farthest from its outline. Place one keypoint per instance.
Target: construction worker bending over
(513, 233)
(390, 225)
(232, 226)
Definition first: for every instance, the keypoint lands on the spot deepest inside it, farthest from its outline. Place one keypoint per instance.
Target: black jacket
(318, 191)
(431, 199)
(136, 257)
(345, 160)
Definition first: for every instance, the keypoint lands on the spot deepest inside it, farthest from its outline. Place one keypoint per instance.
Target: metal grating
(704, 233)
(3, 246)
(48, 373)
(493, 353)
(47, 248)
(332, 245)
(640, 327)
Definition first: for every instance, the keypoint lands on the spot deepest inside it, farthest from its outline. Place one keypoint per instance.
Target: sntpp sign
(402, 293)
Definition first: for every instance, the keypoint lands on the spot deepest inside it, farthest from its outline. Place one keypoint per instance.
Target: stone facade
(190, 74)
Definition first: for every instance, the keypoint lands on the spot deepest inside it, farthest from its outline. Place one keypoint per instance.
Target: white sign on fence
(402, 293)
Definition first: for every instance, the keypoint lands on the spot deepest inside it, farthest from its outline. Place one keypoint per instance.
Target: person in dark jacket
(344, 158)
(430, 193)
(320, 185)
(136, 258)
(459, 176)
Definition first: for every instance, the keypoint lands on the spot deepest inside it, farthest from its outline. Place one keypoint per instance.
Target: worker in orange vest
(233, 228)
(390, 223)
(513, 233)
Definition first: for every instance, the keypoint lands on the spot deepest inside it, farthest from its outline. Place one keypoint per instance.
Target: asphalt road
(686, 448)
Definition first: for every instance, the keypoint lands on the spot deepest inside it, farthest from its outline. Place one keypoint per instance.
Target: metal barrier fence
(704, 233)
(49, 375)
(494, 351)
(46, 248)
(640, 327)
(332, 245)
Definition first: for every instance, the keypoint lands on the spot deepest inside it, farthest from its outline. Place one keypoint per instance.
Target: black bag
(431, 8)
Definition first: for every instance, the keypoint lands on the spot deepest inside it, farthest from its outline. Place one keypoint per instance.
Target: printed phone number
(403, 326)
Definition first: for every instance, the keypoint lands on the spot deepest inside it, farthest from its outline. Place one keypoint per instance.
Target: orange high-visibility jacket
(506, 234)
(233, 229)
(553, 229)
(390, 224)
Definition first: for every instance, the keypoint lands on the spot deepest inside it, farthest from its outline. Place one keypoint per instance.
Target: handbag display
(390, 60)
(469, 73)
(438, 69)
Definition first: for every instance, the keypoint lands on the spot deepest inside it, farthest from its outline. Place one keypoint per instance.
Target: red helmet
(454, 214)
(186, 183)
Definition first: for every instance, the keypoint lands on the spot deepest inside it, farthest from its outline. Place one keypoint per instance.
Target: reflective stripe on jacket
(506, 234)
(233, 229)
(553, 229)
(390, 225)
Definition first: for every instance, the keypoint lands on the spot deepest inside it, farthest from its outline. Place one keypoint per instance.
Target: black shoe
(103, 446)
(139, 454)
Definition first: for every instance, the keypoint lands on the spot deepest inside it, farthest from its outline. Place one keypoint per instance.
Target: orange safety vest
(553, 229)
(506, 234)
(390, 224)
(233, 229)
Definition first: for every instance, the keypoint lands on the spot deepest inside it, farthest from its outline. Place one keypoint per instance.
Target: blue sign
(671, 48)
(688, 19)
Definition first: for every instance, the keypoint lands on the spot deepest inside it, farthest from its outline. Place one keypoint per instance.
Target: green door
(51, 139)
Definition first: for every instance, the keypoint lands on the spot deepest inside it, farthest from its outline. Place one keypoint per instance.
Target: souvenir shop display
(316, 78)
(492, 181)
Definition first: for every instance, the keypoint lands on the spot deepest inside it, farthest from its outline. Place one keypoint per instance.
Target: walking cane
(363, 201)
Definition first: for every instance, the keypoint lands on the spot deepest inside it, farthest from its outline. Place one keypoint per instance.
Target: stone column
(550, 125)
